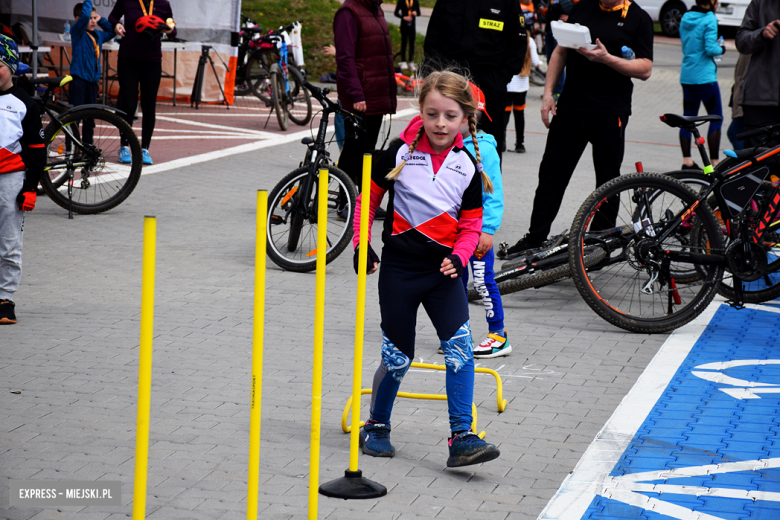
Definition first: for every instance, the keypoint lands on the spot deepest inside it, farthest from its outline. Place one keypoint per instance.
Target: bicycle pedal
(735, 305)
(276, 220)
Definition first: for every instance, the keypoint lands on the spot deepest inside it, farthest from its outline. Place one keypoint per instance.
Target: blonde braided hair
(456, 87)
(487, 186)
(395, 172)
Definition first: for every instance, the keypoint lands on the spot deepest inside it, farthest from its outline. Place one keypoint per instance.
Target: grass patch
(317, 27)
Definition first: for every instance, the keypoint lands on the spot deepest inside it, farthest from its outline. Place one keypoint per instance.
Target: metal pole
(145, 369)
(319, 332)
(34, 42)
(257, 356)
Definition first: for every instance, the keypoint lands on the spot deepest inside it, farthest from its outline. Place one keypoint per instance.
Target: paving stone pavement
(68, 369)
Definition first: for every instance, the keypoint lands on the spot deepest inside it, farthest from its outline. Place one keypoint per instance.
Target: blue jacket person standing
(87, 46)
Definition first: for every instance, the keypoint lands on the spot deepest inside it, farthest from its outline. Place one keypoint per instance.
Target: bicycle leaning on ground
(670, 260)
(82, 174)
(545, 265)
(292, 204)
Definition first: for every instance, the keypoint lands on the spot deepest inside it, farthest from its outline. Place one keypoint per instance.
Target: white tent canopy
(208, 21)
(197, 21)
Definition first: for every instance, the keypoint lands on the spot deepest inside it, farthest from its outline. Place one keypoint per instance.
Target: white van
(668, 13)
(731, 12)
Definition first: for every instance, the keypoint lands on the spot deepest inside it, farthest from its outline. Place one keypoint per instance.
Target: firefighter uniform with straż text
(486, 37)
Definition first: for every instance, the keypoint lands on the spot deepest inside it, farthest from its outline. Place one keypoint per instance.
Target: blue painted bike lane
(697, 436)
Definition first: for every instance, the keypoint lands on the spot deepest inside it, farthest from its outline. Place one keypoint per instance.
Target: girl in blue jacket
(496, 343)
(699, 74)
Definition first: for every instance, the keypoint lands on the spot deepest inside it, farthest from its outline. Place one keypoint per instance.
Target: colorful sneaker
(493, 346)
(147, 157)
(375, 439)
(124, 155)
(466, 448)
(7, 316)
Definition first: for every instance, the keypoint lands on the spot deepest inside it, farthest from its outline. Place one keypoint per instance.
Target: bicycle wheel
(258, 78)
(298, 101)
(766, 287)
(538, 274)
(100, 182)
(636, 290)
(58, 109)
(277, 96)
(292, 225)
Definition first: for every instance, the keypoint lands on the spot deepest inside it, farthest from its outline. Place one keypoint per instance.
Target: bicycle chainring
(746, 269)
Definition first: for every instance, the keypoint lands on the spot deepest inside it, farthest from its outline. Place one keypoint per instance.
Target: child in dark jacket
(87, 44)
(407, 11)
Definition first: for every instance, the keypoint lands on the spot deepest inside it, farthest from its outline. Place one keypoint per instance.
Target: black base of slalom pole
(353, 486)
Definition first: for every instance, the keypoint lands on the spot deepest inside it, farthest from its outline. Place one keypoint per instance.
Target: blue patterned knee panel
(396, 362)
(459, 349)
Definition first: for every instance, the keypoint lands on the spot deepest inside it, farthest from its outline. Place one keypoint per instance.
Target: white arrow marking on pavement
(738, 393)
(627, 489)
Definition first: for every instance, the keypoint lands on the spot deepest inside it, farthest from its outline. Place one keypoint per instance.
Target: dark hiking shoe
(525, 243)
(466, 448)
(7, 316)
(375, 439)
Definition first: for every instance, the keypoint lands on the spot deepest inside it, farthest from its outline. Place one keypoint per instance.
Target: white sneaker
(493, 346)
(413, 67)
(403, 65)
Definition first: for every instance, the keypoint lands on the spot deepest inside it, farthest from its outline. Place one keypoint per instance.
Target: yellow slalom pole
(360, 311)
(257, 356)
(319, 326)
(353, 485)
(145, 369)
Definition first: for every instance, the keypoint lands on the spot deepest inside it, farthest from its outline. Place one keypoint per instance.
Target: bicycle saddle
(55, 82)
(677, 121)
(745, 153)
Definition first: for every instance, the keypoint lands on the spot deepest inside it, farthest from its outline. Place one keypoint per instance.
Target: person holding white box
(594, 106)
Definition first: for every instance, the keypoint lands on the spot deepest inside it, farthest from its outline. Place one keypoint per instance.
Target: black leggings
(570, 133)
(133, 73)
(408, 33)
(515, 103)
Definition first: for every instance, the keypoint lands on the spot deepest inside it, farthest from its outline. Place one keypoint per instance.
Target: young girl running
(496, 343)
(434, 218)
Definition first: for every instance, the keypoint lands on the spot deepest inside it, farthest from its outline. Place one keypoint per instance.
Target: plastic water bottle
(723, 45)
(628, 53)
(66, 32)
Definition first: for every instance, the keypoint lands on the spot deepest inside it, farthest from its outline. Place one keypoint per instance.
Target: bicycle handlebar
(767, 130)
(289, 27)
(329, 106)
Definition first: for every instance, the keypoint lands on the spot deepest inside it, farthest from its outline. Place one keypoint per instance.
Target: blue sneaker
(375, 439)
(147, 157)
(466, 448)
(124, 155)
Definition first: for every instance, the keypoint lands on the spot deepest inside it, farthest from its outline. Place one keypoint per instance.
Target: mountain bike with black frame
(292, 204)
(670, 261)
(83, 173)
